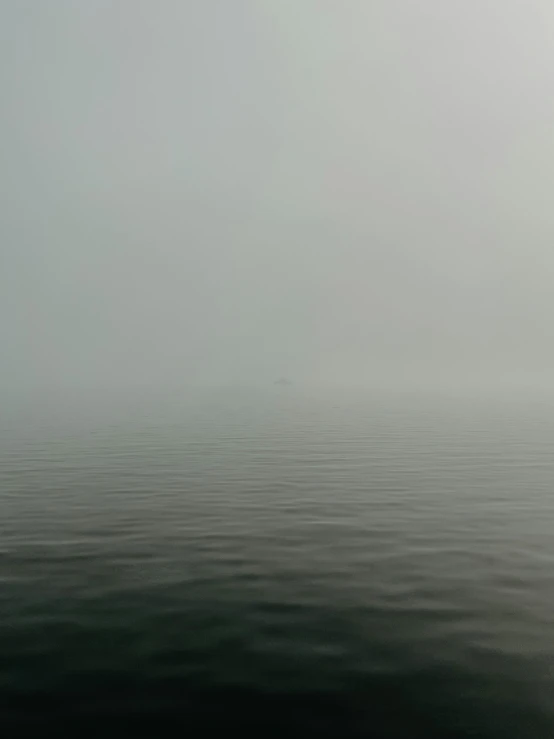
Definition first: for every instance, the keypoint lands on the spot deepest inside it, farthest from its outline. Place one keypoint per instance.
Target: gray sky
(232, 190)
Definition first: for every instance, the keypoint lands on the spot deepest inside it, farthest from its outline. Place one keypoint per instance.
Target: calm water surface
(278, 562)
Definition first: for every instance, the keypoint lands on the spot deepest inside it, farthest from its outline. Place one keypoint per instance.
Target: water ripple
(346, 553)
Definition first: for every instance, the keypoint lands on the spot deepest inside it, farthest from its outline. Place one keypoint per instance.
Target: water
(278, 562)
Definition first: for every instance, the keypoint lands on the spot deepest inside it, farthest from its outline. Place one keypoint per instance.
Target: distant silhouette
(283, 382)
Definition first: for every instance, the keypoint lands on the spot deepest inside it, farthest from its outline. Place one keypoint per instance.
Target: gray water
(278, 561)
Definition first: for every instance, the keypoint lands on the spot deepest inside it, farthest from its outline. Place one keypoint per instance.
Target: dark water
(281, 563)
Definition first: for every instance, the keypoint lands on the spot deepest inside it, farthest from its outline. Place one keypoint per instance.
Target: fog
(230, 191)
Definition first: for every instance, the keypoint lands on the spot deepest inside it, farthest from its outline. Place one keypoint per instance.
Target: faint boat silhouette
(283, 382)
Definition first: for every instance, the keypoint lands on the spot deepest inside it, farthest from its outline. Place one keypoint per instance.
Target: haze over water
(200, 197)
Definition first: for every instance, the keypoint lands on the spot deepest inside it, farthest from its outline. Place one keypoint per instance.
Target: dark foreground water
(279, 563)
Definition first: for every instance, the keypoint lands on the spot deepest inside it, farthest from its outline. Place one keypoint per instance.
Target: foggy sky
(235, 190)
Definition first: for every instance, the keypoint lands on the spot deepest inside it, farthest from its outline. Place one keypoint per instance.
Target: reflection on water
(283, 562)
